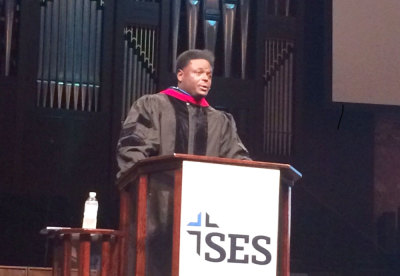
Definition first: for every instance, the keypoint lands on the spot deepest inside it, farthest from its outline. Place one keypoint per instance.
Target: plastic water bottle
(90, 213)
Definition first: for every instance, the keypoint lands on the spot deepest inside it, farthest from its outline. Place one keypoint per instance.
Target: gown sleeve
(139, 137)
(231, 145)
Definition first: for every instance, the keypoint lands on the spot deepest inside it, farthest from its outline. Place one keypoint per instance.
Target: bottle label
(90, 215)
(91, 210)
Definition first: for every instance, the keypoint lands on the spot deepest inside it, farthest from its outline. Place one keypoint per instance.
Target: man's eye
(200, 73)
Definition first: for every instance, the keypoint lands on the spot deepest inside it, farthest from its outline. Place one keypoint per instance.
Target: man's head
(194, 72)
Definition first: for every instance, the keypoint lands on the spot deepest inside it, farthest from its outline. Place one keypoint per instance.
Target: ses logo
(216, 246)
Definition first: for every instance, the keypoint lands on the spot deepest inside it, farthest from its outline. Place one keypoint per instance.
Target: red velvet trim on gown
(186, 98)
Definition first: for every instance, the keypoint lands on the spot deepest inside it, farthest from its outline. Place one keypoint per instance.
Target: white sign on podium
(229, 220)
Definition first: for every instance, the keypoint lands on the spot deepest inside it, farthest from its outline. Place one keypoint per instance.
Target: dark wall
(332, 214)
(7, 129)
(50, 158)
(334, 143)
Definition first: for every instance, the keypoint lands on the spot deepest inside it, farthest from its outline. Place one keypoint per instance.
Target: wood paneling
(25, 271)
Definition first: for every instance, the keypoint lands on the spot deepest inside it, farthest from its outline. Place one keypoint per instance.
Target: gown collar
(182, 95)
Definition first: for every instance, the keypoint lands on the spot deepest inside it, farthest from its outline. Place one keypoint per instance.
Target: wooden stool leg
(66, 259)
(84, 255)
(116, 256)
(105, 255)
(57, 245)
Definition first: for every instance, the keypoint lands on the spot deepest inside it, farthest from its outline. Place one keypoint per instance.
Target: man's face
(196, 78)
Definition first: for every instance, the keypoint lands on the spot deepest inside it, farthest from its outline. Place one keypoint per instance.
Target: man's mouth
(204, 88)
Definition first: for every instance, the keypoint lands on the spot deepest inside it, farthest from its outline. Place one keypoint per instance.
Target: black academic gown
(172, 122)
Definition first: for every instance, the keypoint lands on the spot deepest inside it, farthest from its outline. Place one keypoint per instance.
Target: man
(179, 119)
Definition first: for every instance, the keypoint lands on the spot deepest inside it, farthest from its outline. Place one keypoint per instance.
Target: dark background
(51, 158)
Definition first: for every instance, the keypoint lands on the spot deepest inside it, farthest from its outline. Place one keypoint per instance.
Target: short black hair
(185, 57)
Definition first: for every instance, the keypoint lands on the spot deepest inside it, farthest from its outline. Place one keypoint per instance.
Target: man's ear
(179, 75)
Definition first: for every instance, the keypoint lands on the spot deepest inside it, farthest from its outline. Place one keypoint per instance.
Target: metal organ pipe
(69, 54)
(228, 14)
(244, 27)
(192, 11)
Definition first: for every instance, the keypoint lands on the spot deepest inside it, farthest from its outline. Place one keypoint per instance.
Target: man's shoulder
(151, 99)
(154, 97)
(221, 114)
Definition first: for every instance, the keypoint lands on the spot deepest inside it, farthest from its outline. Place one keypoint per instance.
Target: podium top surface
(168, 162)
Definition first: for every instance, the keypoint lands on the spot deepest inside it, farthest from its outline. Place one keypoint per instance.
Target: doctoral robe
(173, 122)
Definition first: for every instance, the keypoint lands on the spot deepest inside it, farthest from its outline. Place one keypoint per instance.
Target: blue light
(212, 22)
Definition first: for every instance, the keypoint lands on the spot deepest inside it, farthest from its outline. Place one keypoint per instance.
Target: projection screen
(366, 51)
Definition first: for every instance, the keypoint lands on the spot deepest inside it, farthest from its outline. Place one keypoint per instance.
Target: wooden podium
(196, 215)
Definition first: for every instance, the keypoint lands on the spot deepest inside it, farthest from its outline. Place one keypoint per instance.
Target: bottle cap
(92, 194)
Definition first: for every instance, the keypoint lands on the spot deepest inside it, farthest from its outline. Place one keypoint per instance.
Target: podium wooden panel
(137, 194)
